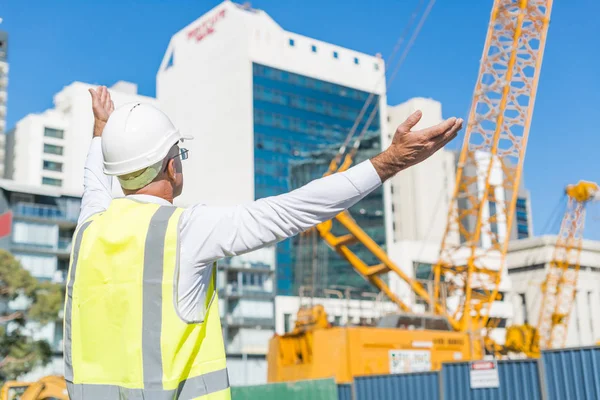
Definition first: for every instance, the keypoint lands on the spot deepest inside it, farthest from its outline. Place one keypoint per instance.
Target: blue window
(51, 181)
(55, 133)
(335, 54)
(356, 60)
(52, 165)
(314, 48)
(292, 42)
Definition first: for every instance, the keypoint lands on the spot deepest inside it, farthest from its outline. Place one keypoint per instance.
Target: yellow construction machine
(400, 343)
(47, 388)
(472, 253)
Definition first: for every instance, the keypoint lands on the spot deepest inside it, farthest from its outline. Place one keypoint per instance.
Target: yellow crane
(489, 171)
(560, 286)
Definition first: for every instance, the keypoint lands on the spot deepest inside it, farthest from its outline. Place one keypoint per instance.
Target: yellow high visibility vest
(123, 336)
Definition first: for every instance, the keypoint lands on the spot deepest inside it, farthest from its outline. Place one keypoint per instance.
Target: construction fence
(558, 374)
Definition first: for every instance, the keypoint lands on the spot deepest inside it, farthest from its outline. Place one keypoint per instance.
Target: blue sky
(55, 43)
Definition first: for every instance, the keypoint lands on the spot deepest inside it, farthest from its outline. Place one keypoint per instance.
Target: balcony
(247, 292)
(64, 245)
(42, 212)
(250, 322)
(244, 266)
(62, 248)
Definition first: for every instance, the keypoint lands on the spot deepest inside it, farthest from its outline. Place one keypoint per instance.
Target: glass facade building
(316, 266)
(294, 117)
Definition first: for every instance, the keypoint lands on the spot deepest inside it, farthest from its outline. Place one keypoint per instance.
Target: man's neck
(156, 189)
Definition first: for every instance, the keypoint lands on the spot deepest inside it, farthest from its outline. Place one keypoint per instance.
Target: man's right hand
(409, 148)
(102, 106)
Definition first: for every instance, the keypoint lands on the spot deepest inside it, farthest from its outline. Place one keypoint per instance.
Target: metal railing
(63, 246)
(41, 212)
(250, 321)
(246, 291)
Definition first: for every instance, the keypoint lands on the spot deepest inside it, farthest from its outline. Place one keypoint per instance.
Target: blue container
(519, 380)
(421, 385)
(345, 392)
(572, 373)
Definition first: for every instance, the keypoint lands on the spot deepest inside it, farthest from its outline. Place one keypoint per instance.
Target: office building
(3, 95)
(50, 148)
(37, 225)
(256, 97)
(528, 261)
(246, 286)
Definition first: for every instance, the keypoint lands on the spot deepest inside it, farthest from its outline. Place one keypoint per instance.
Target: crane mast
(560, 286)
(491, 161)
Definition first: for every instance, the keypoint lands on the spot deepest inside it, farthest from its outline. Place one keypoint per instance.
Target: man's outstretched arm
(97, 187)
(227, 231)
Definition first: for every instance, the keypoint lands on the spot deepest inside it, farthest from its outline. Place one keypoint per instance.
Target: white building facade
(255, 96)
(528, 261)
(50, 148)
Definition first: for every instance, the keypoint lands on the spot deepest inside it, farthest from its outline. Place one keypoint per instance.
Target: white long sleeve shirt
(209, 233)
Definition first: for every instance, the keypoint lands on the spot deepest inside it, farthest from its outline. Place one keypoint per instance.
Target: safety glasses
(183, 153)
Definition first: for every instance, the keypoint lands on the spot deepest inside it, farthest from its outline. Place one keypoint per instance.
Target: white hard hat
(136, 136)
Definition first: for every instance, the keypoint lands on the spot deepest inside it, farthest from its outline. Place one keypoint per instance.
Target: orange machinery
(49, 387)
(400, 343)
(495, 138)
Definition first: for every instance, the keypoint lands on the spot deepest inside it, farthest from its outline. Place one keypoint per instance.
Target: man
(141, 312)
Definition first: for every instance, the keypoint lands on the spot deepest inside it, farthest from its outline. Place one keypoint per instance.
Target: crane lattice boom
(560, 286)
(491, 161)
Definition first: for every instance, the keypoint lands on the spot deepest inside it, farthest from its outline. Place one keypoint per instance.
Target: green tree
(19, 353)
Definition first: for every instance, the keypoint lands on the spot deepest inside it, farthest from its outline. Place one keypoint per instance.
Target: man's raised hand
(102, 106)
(411, 147)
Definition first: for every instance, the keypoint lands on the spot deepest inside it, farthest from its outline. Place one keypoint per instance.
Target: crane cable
(392, 77)
(334, 165)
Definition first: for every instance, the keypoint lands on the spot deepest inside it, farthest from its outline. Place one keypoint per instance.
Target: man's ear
(171, 170)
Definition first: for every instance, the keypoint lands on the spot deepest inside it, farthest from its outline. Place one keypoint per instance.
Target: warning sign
(484, 374)
(405, 361)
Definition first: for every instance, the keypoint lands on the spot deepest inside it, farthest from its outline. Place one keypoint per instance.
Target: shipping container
(321, 389)
(418, 385)
(345, 392)
(518, 380)
(572, 373)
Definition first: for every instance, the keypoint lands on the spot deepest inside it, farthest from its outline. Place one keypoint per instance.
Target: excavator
(467, 277)
(48, 388)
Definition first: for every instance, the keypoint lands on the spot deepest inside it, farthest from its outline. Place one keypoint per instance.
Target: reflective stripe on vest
(153, 308)
(192, 388)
